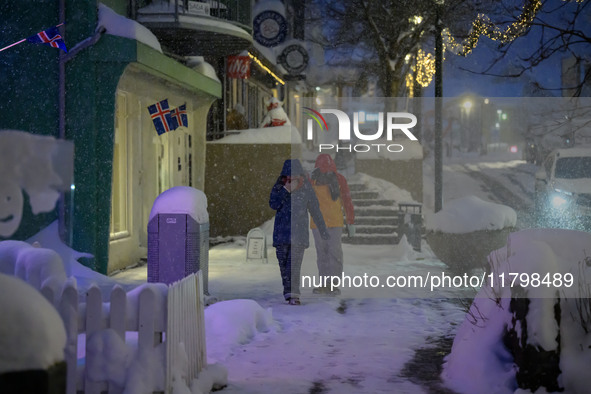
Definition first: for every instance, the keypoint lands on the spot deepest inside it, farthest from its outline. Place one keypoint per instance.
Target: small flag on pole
(51, 37)
(160, 114)
(179, 117)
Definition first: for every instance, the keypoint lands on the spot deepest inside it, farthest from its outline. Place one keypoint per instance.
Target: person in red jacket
(334, 197)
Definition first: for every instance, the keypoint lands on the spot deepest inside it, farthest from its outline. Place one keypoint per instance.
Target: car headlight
(564, 192)
(560, 199)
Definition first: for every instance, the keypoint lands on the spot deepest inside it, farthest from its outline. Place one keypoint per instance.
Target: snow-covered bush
(466, 230)
(527, 330)
(35, 265)
(32, 334)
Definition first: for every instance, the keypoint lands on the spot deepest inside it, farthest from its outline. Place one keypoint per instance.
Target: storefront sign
(294, 58)
(269, 28)
(238, 67)
(196, 7)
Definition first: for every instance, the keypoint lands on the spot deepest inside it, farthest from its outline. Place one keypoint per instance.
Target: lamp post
(438, 167)
(467, 137)
(484, 134)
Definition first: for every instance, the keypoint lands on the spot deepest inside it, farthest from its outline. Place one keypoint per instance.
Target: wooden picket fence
(173, 315)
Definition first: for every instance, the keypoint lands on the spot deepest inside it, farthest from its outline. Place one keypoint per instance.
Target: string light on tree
(483, 26)
(424, 68)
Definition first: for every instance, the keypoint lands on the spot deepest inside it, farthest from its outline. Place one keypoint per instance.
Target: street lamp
(438, 167)
(467, 136)
(467, 106)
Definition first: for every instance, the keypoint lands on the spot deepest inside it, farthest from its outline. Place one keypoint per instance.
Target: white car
(563, 189)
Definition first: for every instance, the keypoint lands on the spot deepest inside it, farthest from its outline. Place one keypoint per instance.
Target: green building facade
(120, 163)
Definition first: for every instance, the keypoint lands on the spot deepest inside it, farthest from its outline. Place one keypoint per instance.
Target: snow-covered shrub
(32, 334)
(528, 336)
(466, 230)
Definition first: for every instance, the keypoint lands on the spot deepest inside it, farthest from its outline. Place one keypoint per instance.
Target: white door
(181, 169)
(125, 191)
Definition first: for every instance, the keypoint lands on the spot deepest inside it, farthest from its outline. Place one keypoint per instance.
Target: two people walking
(325, 197)
(334, 198)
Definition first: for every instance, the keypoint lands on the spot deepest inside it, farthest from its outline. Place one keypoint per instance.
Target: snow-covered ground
(363, 342)
(345, 344)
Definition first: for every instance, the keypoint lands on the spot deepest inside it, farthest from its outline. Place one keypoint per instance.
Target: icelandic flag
(179, 117)
(160, 114)
(51, 37)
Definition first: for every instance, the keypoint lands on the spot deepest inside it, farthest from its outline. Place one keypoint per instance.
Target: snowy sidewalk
(341, 344)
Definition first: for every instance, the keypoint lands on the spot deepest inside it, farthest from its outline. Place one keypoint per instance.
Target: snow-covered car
(563, 189)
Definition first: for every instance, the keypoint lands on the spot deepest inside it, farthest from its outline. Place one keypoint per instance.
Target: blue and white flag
(179, 117)
(160, 114)
(51, 37)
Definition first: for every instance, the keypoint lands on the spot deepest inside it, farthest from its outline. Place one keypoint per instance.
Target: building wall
(239, 178)
(145, 163)
(90, 111)
(30, 77)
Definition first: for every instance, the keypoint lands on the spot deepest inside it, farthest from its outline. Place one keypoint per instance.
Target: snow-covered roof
(265, 135)
(199, 64)
(118, 25)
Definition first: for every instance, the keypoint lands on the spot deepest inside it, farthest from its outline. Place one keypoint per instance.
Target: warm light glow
(422, 71)
(424, 67)
(261, 65)
(483, 26)
(557, 201)
(417, 19)
(467, 105)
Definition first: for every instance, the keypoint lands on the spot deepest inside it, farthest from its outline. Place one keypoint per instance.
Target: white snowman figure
(11, 207)
(275, 116)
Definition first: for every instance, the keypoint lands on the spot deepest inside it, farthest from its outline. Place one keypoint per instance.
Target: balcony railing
(238, 12)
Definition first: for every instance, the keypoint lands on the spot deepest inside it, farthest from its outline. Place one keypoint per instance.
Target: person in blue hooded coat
(292, 197)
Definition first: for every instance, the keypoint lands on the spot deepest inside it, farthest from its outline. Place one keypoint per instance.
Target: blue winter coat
(291, 219)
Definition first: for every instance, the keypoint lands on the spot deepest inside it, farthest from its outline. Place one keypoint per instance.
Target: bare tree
(557, 29)
(384, 37)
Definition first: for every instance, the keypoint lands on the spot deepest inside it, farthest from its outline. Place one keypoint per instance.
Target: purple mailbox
(178, 236)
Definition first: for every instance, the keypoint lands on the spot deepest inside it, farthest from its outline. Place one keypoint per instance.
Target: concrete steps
(376, 219)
